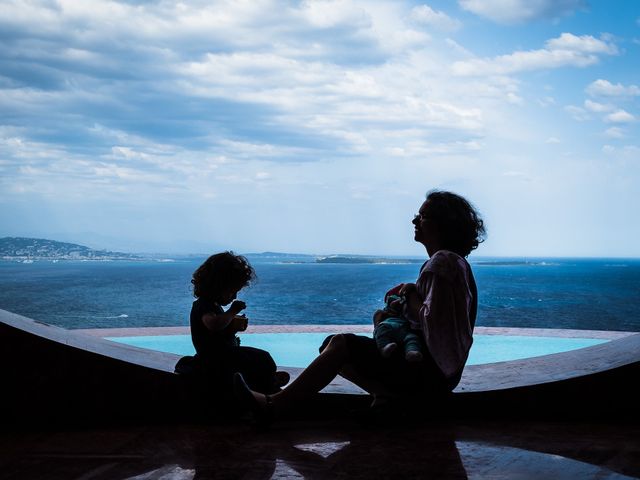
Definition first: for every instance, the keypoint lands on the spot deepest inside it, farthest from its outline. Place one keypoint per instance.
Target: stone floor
(329, 449)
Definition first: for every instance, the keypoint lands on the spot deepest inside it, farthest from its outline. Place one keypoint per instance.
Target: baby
(396, 330)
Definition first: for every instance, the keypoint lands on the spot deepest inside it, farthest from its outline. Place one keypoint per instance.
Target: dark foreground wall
(52, 376)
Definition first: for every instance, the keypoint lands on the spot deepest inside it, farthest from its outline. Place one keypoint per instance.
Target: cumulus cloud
(516, 11)
(605, 88)
(614, 132)
(619, 116)
(567, 50)
(626, 151)
(597, 107)
(578, 113)
(426, 15)
(312, 77)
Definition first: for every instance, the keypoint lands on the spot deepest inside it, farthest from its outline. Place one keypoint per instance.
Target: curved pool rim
(296, 346)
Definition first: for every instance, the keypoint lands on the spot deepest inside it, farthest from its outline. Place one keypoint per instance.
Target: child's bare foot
(388, 349)
(413, 356)
(282, 378)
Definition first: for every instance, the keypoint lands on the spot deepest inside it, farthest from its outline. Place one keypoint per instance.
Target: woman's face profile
(423, 231)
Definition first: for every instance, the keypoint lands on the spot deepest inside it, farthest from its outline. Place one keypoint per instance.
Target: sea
(591, 294)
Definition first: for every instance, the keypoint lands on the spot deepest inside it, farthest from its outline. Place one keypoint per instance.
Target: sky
(318, 126)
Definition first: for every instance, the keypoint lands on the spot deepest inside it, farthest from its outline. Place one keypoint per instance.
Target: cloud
(307, 79)
(578, 113)
(567, 50)
(614, 132)
(546, 101)
(619, 116)
(425, 15)
(597, 107)
(630, 152)
(605, 88)
(516, 11)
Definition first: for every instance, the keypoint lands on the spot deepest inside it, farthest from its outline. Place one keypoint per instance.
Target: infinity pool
(299, 349)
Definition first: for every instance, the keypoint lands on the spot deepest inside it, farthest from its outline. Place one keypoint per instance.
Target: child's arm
(217, 322)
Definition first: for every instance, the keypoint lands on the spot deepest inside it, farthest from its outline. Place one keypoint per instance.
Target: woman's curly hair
(460, 227)
(222, 271)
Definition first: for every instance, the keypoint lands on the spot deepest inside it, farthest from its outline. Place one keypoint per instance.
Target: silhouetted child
(216, 283)
(395, 330)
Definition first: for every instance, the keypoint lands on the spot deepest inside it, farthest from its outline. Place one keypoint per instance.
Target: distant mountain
(30, 249)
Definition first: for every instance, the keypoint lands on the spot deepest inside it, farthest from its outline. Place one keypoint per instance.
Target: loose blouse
(448, 313)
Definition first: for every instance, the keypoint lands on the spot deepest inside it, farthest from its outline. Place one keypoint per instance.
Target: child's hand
(396, 305)
(394, 291)
(379, 316)
(239, 323)
(237, 306)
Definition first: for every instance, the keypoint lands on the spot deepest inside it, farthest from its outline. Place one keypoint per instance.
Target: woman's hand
(406, 288)
(413, 299)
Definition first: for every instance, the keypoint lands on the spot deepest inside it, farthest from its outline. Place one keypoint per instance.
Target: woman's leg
(314, 378)
(368, 384)
(336, 357)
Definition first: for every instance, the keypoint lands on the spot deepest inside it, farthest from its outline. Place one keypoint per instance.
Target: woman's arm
(444, 318)
(413, 300)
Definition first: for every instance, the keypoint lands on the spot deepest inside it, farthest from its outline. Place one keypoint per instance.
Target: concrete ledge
(364, 329)
(53, 373)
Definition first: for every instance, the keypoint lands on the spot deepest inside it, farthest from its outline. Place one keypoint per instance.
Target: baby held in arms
(393, 329)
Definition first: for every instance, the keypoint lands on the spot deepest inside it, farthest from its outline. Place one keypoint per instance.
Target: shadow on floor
(337, 449)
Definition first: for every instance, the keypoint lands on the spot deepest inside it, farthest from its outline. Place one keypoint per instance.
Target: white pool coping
(365, 329)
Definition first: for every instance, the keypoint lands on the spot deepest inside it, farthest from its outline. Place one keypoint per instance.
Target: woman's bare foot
(261, 406)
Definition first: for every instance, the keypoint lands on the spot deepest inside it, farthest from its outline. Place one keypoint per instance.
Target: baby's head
(222, 276)
(394, 303)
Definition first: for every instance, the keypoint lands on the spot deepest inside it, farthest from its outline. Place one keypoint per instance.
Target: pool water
(299, 349)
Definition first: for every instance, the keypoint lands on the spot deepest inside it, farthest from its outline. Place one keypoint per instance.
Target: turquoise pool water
(299, 349)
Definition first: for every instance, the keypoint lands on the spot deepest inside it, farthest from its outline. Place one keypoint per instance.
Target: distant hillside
(365, 259)
(29, 249)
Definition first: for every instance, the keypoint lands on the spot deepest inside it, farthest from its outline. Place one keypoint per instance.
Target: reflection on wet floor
(336, 449)
(482, 461)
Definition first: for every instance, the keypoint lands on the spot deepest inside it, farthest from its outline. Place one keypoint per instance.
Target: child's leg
(256, 366)
(388, 334)
(412, 347)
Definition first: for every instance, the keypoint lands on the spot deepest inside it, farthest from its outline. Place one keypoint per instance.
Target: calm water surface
(598, 294)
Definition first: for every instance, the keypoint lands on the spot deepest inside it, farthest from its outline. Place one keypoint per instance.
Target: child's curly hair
(459, 224)
(221, 271)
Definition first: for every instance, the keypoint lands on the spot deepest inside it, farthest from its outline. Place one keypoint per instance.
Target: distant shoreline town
(28, 250)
